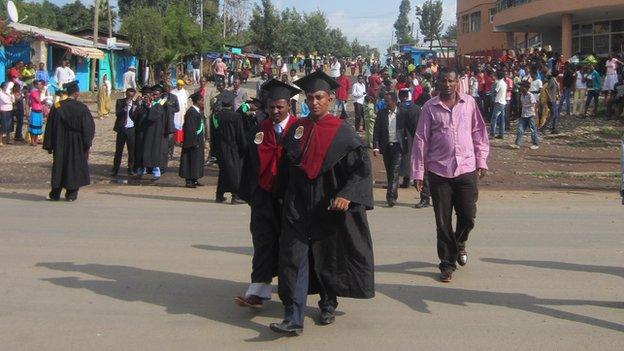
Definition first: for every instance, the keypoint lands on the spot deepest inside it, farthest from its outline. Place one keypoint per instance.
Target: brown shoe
(446, 276)
(251, 301)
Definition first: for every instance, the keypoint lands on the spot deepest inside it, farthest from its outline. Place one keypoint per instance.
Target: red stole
(270, 153)
(317, 137)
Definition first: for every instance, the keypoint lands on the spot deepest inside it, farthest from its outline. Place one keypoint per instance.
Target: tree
(264, 24)
(451, 32)
(430, 18)
(144, 28)
(402, 26)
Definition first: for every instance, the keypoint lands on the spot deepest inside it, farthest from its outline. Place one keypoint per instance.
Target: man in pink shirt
(451, 145)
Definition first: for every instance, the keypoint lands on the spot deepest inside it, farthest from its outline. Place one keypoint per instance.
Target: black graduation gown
(68, 136)
(154, 137)
(230, 137)
(140, 125)
(340, 244)
(192, 158)
(171, 107)
(412, 112)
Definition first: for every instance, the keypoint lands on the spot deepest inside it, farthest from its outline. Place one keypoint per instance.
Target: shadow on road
(179, 293)
(23, 196)
(406, 268)
(158, 197)
(616, 271)
(241, 250)
(416, 297)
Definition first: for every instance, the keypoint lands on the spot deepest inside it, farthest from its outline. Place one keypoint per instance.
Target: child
(527, 117)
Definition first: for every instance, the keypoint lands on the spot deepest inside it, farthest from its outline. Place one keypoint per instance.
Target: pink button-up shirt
(449, 142)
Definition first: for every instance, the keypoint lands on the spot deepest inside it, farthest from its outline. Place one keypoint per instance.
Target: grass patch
(593, 142)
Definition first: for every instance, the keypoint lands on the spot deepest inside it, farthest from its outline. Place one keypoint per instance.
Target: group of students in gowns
(309, 184)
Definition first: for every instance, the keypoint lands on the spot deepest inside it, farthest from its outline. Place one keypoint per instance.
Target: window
(617, 26)
(475, 22)
(465, 24)
(617, 43)
(587, 45)
(601, 27)
(575, 45)
(491, 13)
(601, 44)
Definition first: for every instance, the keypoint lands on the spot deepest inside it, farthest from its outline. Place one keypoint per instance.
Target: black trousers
(125, 138)
(19, 122)
(265, 230)
(425, 194)
(459, 193)
(359, 115)
(392, 161)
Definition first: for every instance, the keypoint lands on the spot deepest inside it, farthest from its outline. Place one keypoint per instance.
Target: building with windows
(568, 26)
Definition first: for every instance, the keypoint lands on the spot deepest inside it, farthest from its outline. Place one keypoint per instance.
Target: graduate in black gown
(230, 139)
(155, 139)
(140, 125)
(69, 133)
(253, 114)
(325, 244)
(192, 159)
(258, 189)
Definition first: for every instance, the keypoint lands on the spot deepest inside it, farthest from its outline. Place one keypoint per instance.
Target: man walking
(451, 144)
(68, 136)
(64, 74)
(342, 95)
(326, 176)
(500, 101)
(390, 140)
(129, 79)
(258, 188)
(125, 113)
(358, 93)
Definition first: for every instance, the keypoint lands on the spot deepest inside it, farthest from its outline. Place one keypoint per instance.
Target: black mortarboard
(196, 96)
(278, 90)
(317, 81)
(157, 87)
(227, 98)
(71, 87)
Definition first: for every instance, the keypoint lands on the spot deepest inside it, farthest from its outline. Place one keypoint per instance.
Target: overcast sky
(368, 20)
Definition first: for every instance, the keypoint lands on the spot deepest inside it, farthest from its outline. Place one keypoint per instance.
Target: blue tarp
(2, 64)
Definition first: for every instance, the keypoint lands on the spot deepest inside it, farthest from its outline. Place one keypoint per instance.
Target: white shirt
(64, 75)
(580, 84)
(178, 117)
(292, 79)
(358, 92)
(536, 86)
(392, 137)
(129, 80)
(129, 122)
(474, 86)
(501, 92)
(334, 70)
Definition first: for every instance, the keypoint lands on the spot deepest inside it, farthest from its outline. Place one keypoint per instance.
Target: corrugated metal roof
(51, 35)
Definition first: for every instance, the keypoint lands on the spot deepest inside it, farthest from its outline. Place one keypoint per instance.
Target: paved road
(148, 268)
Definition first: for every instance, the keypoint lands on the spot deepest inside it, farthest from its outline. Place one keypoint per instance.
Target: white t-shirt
(178, 117)
(334, 70)
(358, 92)
(501, 92)
(64, 75)
(536, 86)
(580, 84)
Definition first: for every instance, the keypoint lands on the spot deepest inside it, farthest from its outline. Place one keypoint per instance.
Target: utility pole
(110, 35)
(96, 15)
(224, 18)
(201, 28)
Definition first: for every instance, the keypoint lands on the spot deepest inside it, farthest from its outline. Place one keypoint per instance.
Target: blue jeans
(498, 119)
(523, 123)
(565, 99)
(339, 105)
(554, 115)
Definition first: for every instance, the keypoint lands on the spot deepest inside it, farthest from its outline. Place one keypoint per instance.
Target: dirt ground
(584, 156)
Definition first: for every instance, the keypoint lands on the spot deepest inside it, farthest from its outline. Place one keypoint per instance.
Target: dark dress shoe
(422, 204)
(251, 301)
(446, 276)
(53, 197)
(220, 199)
(284, 328)
(327, 317)
(198, 183)
(236, 200)
(462, 259)
(391, 204)
(191, 185)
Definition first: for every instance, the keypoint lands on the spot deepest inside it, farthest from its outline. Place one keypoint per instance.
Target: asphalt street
(156, 268)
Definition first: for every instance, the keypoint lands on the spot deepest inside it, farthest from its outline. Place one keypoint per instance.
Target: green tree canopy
(402, 26)
(431, 18)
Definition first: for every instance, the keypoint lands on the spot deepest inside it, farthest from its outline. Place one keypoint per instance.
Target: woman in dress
(35, 123)
(104, 100)
(611, 78)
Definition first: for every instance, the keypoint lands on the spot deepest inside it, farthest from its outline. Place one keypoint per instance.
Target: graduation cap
(227, 98)
(317, 81)
(71, 87)
(277, 90)
(196, 96)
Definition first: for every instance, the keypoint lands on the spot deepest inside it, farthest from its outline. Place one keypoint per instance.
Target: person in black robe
(143, 107)
(215, 107)
(154, 138)
(326, 180)
(230, 139)
(171, 105)
(192, 158)
(68, 137)
(258, 189)
(253, 114)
